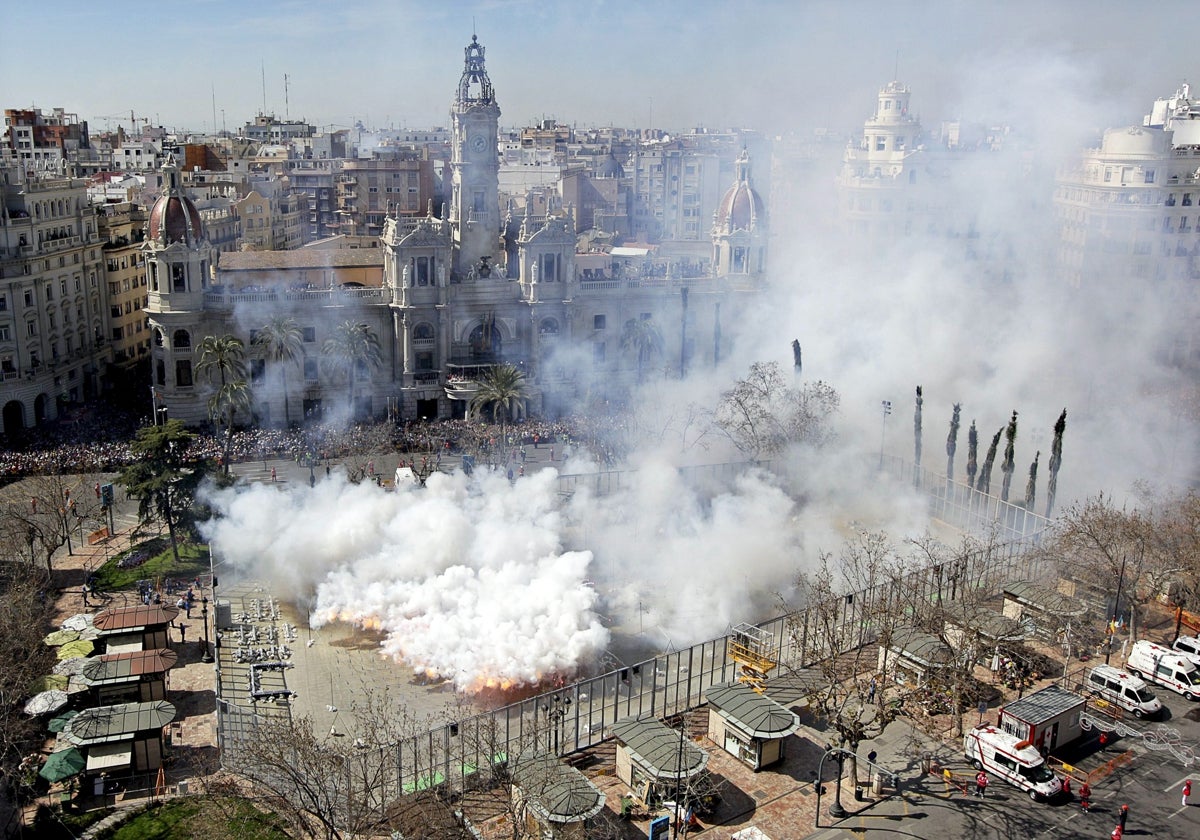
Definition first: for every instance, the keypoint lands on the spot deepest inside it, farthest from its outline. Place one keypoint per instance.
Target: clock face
(478, 143)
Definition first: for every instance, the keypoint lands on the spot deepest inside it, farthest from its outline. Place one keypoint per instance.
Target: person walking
(1122, 816)
(1085, 798)
(981, 783)
(1187, 790)
(273, 475)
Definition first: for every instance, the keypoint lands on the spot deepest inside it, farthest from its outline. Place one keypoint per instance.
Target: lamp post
(556, 711)
(206, 656)
(887, 409)
(1112, 626)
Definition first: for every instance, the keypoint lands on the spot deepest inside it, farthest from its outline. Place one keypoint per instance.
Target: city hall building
(488, 280)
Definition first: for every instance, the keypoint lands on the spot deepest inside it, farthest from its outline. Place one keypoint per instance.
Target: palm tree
(352, 346)
(222, 358)
(281, 341)
(222, 363)
(503, 387)
(643, 336)
(230, 398)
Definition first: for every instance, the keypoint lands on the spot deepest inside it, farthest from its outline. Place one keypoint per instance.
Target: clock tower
(475, 166)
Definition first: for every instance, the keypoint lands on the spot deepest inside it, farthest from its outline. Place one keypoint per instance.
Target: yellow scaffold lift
(753, 649)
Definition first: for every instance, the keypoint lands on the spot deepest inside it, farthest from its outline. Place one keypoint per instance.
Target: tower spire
(475, 88)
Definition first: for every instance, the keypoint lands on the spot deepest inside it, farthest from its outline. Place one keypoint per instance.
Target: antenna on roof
(896, 69)
(264, 87)
(285, 97)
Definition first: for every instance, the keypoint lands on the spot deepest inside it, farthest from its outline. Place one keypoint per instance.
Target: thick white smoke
(466, 580)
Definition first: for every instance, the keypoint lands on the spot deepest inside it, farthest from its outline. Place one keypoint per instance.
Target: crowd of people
(101, 441)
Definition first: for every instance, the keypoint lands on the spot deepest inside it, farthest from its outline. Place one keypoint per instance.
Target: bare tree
(1105, 549)
(762, 414)
(48, 512)
(844, 638)
(25, 614)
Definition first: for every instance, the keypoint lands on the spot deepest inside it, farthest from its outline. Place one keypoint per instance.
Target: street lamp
(206, 656)
(887, 409)
(556, 711)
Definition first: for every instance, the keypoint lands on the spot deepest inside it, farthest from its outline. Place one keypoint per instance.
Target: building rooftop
(117, 723)
(302, 258)
(128, 667)
(1043, 598)
(556, 792)
(758, 716)
(124, 619)
(662, 752)
(1043, 705)
(921, 648)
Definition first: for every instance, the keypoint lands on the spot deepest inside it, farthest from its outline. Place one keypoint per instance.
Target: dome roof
(1137, 141)
(740, 208)
(174, 218)
(610, 167)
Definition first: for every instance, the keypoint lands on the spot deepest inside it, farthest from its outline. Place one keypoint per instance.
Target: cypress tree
(1031, 485)
(1055, 462)
(1010, 457)
(952, 441)
(985, 472)
(917, 436)
(972, 454)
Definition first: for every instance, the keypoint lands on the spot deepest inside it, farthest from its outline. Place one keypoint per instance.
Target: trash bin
(877, 785)
(926, 762)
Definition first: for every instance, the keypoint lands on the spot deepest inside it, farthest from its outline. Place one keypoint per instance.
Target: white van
(1006, 757)
(1122, 689)
(1189, 646)
(1161, 665)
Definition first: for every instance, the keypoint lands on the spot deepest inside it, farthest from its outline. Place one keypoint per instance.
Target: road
(1150, 784)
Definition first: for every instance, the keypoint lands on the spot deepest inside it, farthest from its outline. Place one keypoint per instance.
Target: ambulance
(1123, 690)
(1006, 757)
(1159, 664)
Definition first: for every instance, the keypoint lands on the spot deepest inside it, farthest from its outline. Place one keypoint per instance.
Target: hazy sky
(675, 63)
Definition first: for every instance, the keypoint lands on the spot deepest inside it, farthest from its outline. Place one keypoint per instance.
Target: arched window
(549, 326)
(180, 339)
(484, 345)
(158, 338)
(423, 332)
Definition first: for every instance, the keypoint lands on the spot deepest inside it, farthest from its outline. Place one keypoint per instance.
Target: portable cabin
(912, 656)
(748, 725)
(653, 759)
(555, 799)
(128, 629)
(135, 677)
(127, 736)
(1047, 719)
